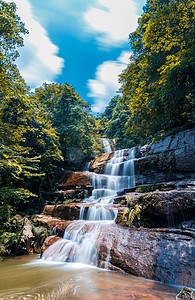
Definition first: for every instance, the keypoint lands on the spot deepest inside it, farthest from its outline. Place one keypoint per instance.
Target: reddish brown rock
(99, 163)
(166, 255)
(58, 226)
(71, 211)
(49, 210)
(72, 180)
(50, 240)
(63, 211)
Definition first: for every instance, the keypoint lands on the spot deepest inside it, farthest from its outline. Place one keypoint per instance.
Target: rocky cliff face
(172, 158)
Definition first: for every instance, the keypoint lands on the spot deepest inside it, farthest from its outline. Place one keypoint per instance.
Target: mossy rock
(8, 243)
(186, 294)
(40, 234)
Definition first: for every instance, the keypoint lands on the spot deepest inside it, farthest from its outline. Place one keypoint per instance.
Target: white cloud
(112, 21)
(104, 87)
(39, 61)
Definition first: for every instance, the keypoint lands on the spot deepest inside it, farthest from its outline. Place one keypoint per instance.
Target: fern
(134, 213)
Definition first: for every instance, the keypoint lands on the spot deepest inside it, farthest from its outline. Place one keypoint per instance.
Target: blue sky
(82, 42)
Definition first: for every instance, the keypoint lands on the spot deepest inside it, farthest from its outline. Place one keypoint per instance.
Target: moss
(139, 210)
(146, 188)
(186, 294)
(166, 163)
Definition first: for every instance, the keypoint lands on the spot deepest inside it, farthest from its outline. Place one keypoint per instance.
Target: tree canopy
(40, 133)
(158, 85)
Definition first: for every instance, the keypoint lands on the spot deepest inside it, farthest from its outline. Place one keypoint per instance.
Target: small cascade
(79, 242)
(86, 168)
(77, 245)
(106, 145)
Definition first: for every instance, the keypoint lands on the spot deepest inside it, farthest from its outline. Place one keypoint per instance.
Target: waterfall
(107, 146)
(79, 241)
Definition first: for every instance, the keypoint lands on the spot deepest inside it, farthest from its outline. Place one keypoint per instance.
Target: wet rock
(172, 158)
(107, 265)
(57, 226)
(161, 208)
(72, 180)
(50, 240)
(186, 294)
(162, 255)
(67, 211)
(71, 211)
(25, 240)
(69, 196)
(40, 234)
(121, 199)
(63, 211)
(188, 224)
(98, 164)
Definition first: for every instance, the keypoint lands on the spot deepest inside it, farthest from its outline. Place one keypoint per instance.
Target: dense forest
(51, 130)
(158, 86)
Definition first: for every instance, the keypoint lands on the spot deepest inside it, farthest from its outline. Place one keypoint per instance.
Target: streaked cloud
(105, 85)
(112, 21)
(39, 61)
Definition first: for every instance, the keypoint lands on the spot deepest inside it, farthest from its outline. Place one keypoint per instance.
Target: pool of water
(28, 277)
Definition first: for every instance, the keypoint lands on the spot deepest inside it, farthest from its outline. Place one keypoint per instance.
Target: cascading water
(79, 242)
(106, 145)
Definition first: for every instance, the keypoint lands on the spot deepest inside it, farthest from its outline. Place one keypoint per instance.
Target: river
(28, 277)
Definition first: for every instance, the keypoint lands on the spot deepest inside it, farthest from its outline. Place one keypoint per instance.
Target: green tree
(113, 121)
(159, 83)
(73, 121)
(11, 31)
(28, 142)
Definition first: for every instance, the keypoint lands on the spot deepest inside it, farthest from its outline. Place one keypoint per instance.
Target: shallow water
(28, 277)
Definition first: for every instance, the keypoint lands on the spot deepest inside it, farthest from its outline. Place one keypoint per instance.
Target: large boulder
(40, 234)
(166, 255)
(26, 238)
(54, 225)
(69, 211)
(50, 240)
(72, 180)
(98, 164)
(70, 196)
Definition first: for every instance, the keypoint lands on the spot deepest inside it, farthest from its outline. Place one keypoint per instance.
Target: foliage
(113, 121)
(134, 213)
(158, 85)
(11, 31)
(74, 124)
(28, 142)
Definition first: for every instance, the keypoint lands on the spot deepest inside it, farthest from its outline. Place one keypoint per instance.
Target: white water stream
(79, 242)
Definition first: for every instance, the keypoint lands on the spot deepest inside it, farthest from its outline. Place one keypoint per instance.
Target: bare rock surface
(71, 180)
(97, 165)
(57, 225)
(50, 240)
(163, 255)
(171, 158)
